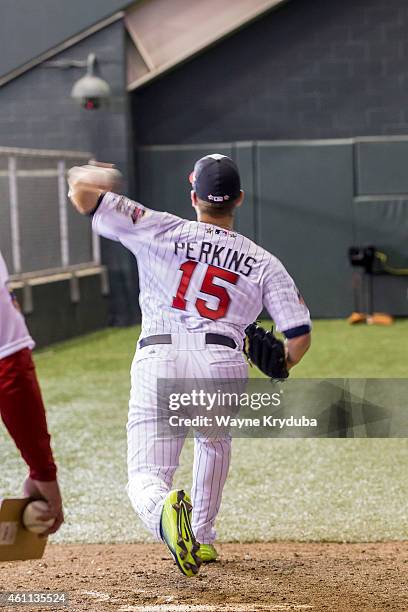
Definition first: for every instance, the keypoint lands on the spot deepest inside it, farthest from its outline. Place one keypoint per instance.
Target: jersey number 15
(208, 287)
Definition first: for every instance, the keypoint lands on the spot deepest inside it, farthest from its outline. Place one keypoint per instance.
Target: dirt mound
(247, 578)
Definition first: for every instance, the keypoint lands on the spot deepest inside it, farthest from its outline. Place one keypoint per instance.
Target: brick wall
(311, 69)
(37, 112)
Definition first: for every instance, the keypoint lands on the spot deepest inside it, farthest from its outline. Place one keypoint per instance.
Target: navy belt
(209, 339)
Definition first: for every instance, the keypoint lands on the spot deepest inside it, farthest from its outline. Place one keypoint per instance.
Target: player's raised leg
(152, 459)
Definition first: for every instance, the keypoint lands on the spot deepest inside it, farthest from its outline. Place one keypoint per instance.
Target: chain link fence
(40, 232)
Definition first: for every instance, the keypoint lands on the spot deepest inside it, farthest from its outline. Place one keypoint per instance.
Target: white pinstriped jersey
(197, 277)
(14, 334)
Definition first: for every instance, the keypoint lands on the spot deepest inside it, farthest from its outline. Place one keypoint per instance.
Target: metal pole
(63, 214)
(96, 248)
(14, 217)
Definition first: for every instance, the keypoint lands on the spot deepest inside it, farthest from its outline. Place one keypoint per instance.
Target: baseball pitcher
(201, 286)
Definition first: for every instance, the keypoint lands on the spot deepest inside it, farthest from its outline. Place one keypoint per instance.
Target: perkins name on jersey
(215, 255)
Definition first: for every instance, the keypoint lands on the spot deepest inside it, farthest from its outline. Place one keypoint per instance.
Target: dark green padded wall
(381, 213)
(304, 211)
(306, 202)
(384, 223)
(243, 154)
(381, 166)
(56, 318)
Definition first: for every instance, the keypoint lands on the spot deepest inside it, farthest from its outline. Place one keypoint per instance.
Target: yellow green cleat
(177, 532)
(207, 553)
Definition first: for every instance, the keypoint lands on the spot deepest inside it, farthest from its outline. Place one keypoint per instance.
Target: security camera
(91, 91)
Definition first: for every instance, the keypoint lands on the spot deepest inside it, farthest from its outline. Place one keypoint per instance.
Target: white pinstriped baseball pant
(152, 460)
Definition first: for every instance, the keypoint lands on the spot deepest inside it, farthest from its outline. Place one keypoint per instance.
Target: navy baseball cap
(215, 179)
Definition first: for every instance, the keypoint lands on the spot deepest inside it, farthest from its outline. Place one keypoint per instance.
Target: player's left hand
(266, 352)
(49, 492)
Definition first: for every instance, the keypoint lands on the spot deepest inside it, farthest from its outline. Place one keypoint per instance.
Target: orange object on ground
(357, 317)
(380, 318)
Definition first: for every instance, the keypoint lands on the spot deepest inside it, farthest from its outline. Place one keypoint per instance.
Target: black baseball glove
(265, 351)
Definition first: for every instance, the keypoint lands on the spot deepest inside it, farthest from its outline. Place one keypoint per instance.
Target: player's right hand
(49, 492)
(95, 174)
(98, 164)
(88, 182)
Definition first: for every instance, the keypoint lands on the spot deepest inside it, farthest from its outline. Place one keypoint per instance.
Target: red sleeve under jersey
(23, 413)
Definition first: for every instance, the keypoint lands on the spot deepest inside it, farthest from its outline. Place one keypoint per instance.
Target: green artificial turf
(312, 489)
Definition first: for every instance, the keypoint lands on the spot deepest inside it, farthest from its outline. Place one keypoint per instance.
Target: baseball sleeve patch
(128, 208)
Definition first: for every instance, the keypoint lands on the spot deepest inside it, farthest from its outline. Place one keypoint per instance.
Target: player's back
(198, 277)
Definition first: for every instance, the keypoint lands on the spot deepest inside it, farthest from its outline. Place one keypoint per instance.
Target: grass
(330, 489)
(359, 351)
